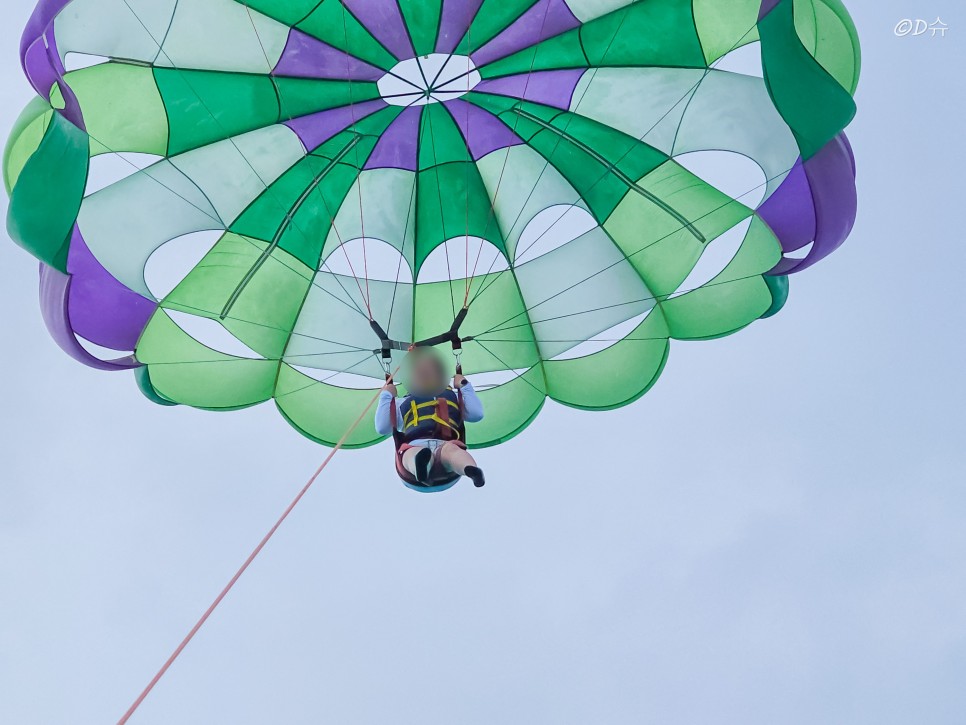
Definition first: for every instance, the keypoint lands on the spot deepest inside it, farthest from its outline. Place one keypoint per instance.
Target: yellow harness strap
(414, 416)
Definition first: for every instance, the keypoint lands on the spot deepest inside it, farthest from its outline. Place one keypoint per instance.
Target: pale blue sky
(775, 534)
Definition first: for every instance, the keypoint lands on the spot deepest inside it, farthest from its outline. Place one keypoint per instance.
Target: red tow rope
(244, 567)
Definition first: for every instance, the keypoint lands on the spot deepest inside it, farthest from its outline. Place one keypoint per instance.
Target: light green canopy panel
(273, 199)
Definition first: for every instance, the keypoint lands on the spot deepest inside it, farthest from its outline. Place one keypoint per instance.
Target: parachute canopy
(272, 199)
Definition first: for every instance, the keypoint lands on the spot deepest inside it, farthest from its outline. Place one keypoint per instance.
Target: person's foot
(424, 462)
(476, 476)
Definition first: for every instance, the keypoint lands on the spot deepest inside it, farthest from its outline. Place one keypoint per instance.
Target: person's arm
(472, 405)
(383, 412)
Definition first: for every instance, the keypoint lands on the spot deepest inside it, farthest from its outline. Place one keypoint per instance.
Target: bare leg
(456, 459)
(409, 460)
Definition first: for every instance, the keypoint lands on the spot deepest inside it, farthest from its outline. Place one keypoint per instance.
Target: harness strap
(445, 429)
(414, 417)
(397, 435)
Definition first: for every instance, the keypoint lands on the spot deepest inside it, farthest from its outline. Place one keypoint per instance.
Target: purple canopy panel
(545, 19)
(848, 148)
(100, 308)
(831, 175)
(43, 15)
(399, 146)
(550, 88)
(456, 19)
(41, 60)
(766, 7)
(384, 20)
(484, 132)
(790, 211)
(306, 57)
(317, 128)
(54, 293)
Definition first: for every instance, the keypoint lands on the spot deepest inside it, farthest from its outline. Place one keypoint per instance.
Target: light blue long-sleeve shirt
(472, 409)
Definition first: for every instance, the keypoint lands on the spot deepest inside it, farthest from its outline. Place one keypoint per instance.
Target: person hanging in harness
(428, 425)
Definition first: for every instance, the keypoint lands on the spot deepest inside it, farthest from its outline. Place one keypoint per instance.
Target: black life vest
(439, 417)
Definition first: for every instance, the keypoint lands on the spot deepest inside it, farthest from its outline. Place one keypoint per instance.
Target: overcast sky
(775, 534)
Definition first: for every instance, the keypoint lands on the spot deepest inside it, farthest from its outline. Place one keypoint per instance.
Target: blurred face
(426, 374)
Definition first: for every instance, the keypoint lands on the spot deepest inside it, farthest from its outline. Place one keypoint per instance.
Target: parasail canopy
(273, 199)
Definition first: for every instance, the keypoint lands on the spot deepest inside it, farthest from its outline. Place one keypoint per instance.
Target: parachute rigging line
(584, 280)
(491, 215)
(286, 222)
(688, 93)
(611, 168)
(269, 188)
